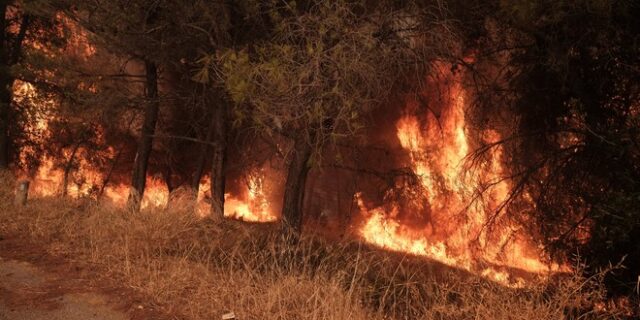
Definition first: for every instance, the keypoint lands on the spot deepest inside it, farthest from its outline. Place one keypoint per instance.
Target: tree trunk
(139, 175)
(67, 169)
(5, 103)
(8, 57)
(295, 187)
(218, 160)
(5, 90)
(107, 178)
(202, 157)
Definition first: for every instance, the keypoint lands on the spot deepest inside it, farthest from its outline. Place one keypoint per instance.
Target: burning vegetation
(490, 138)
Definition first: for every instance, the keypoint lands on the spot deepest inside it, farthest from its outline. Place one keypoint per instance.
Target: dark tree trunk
(295, 187)
(139, 175)
(67, 169)
(202, 157)
(168, 179)
(107, 178)
(5, 90)
(8, 57)
(218, 160)
(5, 103)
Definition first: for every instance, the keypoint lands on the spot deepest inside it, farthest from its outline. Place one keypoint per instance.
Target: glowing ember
(461, 227)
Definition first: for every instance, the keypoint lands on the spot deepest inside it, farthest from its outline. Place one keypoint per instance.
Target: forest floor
(37, 286)
(62, 259)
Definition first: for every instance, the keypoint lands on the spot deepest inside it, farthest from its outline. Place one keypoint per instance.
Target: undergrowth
(198, 269)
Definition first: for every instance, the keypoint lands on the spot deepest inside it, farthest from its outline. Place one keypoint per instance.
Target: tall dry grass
(198, 269)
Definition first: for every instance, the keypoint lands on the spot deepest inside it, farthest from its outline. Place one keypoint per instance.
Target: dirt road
(28, 293)
(34, 285)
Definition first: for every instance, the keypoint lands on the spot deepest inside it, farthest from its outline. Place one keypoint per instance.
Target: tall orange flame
(255, 206)
(462, 228)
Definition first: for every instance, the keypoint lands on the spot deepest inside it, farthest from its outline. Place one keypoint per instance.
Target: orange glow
(457, 203)
(84, 180)
(253, 208)
(254, 205)
(462, 228)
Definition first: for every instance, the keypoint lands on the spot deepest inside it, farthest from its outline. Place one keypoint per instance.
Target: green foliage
(319, 75)
(236, 65)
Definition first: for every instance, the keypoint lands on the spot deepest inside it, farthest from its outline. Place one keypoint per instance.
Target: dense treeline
(179, 88)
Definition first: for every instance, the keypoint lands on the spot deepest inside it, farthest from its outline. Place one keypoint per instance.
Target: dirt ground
(37, 286)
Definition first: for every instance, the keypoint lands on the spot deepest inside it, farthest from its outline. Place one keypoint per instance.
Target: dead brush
(199, 269)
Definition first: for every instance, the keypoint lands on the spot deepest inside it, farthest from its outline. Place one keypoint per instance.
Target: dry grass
(198, 270)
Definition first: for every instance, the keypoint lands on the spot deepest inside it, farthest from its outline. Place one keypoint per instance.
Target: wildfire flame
(255, 207)
(455, 204)
(461, 228)
(251, 205)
